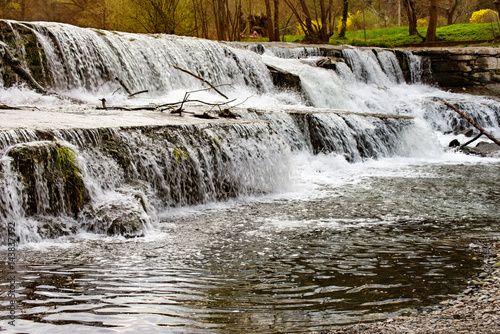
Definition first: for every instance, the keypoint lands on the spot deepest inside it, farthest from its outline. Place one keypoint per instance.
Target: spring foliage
(484, 16)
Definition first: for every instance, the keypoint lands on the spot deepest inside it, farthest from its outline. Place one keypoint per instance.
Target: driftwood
(471, 141)
(471, 121)
(124, 86)
(139, 92)
(205, 115)
(202, 79)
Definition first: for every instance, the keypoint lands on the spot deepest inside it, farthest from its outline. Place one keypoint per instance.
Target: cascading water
(298, 217)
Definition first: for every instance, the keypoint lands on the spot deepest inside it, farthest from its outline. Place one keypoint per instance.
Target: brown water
(362, 251)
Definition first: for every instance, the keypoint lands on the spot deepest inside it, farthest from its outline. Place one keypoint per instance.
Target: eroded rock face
(475, 69)
(21, 43)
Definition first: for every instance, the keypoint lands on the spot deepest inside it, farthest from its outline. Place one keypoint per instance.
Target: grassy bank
(398, 36)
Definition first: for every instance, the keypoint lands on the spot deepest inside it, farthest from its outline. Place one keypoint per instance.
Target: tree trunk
(270, 24)
(412, 17)
(276, 20)
(220, 19)
(451, 11)
(431, 29)
(345, 13)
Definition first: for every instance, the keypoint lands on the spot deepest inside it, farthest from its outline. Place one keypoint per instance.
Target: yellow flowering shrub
(300, 31)
(422, 23)
(484, 16)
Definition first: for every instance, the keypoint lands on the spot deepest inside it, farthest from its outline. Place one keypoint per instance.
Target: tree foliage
(317, 20)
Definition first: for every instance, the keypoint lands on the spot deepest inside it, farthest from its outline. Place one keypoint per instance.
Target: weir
(329, 200)
(367, 104)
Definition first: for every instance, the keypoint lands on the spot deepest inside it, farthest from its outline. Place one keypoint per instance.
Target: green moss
(181, 154)
(66, 162)
(52, 167)
(99, 32)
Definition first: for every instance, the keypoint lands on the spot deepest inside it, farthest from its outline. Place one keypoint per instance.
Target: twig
(124, 86)
(202, 79)
(248, 98)
(471, 121)
(139, 92)
(203, 102)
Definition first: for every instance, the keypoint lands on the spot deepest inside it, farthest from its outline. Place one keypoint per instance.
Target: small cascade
(95, 60)
(415, 67)
(366, 67)
(105, 181)
(356, 137)
(390, 66)
(286, 52)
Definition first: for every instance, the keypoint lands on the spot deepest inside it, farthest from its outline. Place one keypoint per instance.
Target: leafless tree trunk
(270, 21)
(431, 29)
(276, 20)
(450, 11)
(412, 16)
(345, 13)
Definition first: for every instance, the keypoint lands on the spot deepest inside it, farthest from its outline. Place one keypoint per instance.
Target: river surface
(315, 243)
(347, 243)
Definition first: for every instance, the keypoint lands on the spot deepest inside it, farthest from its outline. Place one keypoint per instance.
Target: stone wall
(470, 69)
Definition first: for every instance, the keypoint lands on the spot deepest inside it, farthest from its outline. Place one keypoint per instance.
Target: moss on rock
(52, 180)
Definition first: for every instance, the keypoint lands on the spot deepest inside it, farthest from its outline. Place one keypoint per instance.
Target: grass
(398, 36)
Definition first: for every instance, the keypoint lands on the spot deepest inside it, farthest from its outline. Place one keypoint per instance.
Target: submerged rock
(483, 149)
(125, 213)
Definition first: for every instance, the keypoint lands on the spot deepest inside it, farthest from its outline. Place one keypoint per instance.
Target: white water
(259, 227)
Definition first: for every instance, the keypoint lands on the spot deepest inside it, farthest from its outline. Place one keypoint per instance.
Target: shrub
(422, 22)
(484, 16)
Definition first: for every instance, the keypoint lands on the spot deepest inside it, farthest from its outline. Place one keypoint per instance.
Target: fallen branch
(471, 121)
(203, 102)
(137, 93)
(202, 79)
(472, 140)
(124, 86)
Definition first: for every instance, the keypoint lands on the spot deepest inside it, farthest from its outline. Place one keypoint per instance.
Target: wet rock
(122, 213)
(484, 149)
(454, 143)
(286, 80)
(329, 63)
(52, 181)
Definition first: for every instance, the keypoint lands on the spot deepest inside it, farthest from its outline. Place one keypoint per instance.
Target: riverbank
(475, 310)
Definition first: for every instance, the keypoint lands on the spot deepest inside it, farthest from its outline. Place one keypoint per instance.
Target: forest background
(313, 20)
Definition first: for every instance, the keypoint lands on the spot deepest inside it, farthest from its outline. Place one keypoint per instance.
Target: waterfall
(123, 177)
(92, 59)
(374, 82)
(113, 180)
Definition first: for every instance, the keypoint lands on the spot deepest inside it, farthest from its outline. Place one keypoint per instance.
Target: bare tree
(322, 29)
(221, 22)
(431, 29)
(345, 14)
(451, 9)
(412, 16)
(201, 18)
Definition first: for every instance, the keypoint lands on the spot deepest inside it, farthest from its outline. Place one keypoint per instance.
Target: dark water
(360, 251)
